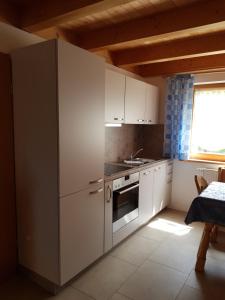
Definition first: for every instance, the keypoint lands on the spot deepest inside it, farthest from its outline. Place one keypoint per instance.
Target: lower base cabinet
(81, 231)
(155, 190)
(159, 188)
(146, 195)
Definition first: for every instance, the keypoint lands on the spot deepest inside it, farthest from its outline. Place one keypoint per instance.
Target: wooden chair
(201, 183)
(221, 174)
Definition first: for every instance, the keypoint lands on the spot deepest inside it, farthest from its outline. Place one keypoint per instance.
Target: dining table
(207, 207)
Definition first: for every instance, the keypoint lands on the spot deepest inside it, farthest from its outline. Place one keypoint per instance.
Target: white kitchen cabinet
(169, 177)
(141, 102)
(151, 104)
(114, 97)
(59, 99)
(81, 125)
(159, 187)
(146, 195)
(81, 230)
(108, 240)
(135, 98)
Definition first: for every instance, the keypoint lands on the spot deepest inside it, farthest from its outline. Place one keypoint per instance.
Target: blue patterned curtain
(178, 116)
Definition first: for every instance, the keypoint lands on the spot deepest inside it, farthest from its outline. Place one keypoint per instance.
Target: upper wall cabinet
(135, 98)
(114, 97)
(151, 104)
(141, 102)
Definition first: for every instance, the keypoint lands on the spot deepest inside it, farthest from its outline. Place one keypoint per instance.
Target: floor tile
(153, 281)
(105, 278)
(181, 258)
(211, 281)
(217, 250)
(22, 289)
(119, 297)
(152, 233)
(188, 293)
(135, 249)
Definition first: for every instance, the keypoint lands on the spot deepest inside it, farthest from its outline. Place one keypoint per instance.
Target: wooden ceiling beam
(42, 15)
(198, 17)
(8, 13)
(192, 65)
(177, 49)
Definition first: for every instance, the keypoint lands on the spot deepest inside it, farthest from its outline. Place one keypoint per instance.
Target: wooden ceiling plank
(186, 19)
(192, 65)
(56, 15)
(8, 13)
(182, 48)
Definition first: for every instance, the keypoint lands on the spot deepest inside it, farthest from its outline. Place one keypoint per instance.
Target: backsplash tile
(153, 137)
(120, 142)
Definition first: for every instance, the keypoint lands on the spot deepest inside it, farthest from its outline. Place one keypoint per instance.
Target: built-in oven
(125, 200)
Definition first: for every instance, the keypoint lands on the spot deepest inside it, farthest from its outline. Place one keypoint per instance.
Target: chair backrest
(201, 183)
(221, 174)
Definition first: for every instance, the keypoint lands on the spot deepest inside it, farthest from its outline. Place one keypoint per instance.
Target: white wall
(210, 77)
(183, 185)
(12, 38)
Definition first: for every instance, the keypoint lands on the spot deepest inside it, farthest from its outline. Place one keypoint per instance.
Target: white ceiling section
(12, 38)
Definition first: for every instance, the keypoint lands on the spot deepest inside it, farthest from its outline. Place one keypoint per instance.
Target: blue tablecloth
(209, 206)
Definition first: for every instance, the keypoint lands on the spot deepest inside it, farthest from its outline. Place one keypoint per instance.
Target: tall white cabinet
(59, 94)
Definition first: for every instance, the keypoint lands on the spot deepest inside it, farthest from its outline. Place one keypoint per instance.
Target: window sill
(205, 161)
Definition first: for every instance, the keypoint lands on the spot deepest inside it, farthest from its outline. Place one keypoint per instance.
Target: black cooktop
(111, 169)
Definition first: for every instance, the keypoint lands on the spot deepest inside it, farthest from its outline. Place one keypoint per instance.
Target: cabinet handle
(118, 119)
(140, 120)
(97, 191)
(128, 189)
(109, 194)
(96, 181)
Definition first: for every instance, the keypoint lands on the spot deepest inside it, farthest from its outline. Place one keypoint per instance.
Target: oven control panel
(125, 180)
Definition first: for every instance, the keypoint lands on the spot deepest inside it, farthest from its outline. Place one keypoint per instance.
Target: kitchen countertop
(134, 169)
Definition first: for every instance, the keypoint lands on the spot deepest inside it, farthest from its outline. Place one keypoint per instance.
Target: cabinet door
(151, 105)
(169, 176)
(108, 217)
(114, 97)
(159, 188)
(81, 230)
(135, 96)
(81, 92)
(146, 195)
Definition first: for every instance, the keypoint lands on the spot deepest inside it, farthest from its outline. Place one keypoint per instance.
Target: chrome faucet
(132, 156)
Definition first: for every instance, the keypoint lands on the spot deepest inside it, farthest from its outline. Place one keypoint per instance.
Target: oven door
(125, 205)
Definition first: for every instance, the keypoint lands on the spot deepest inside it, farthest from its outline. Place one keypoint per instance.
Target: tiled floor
(156, 263)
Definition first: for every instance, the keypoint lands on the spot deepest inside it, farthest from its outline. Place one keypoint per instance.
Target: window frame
(206, 156)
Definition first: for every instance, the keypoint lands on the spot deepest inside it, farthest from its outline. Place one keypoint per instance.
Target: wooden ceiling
(149, 37)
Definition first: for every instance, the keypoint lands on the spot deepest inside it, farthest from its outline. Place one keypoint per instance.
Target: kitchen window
(208, 124)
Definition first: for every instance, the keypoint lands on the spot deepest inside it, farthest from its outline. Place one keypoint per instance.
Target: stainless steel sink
(138, 161)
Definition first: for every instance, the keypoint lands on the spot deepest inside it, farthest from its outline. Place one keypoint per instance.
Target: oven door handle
(128, 189)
